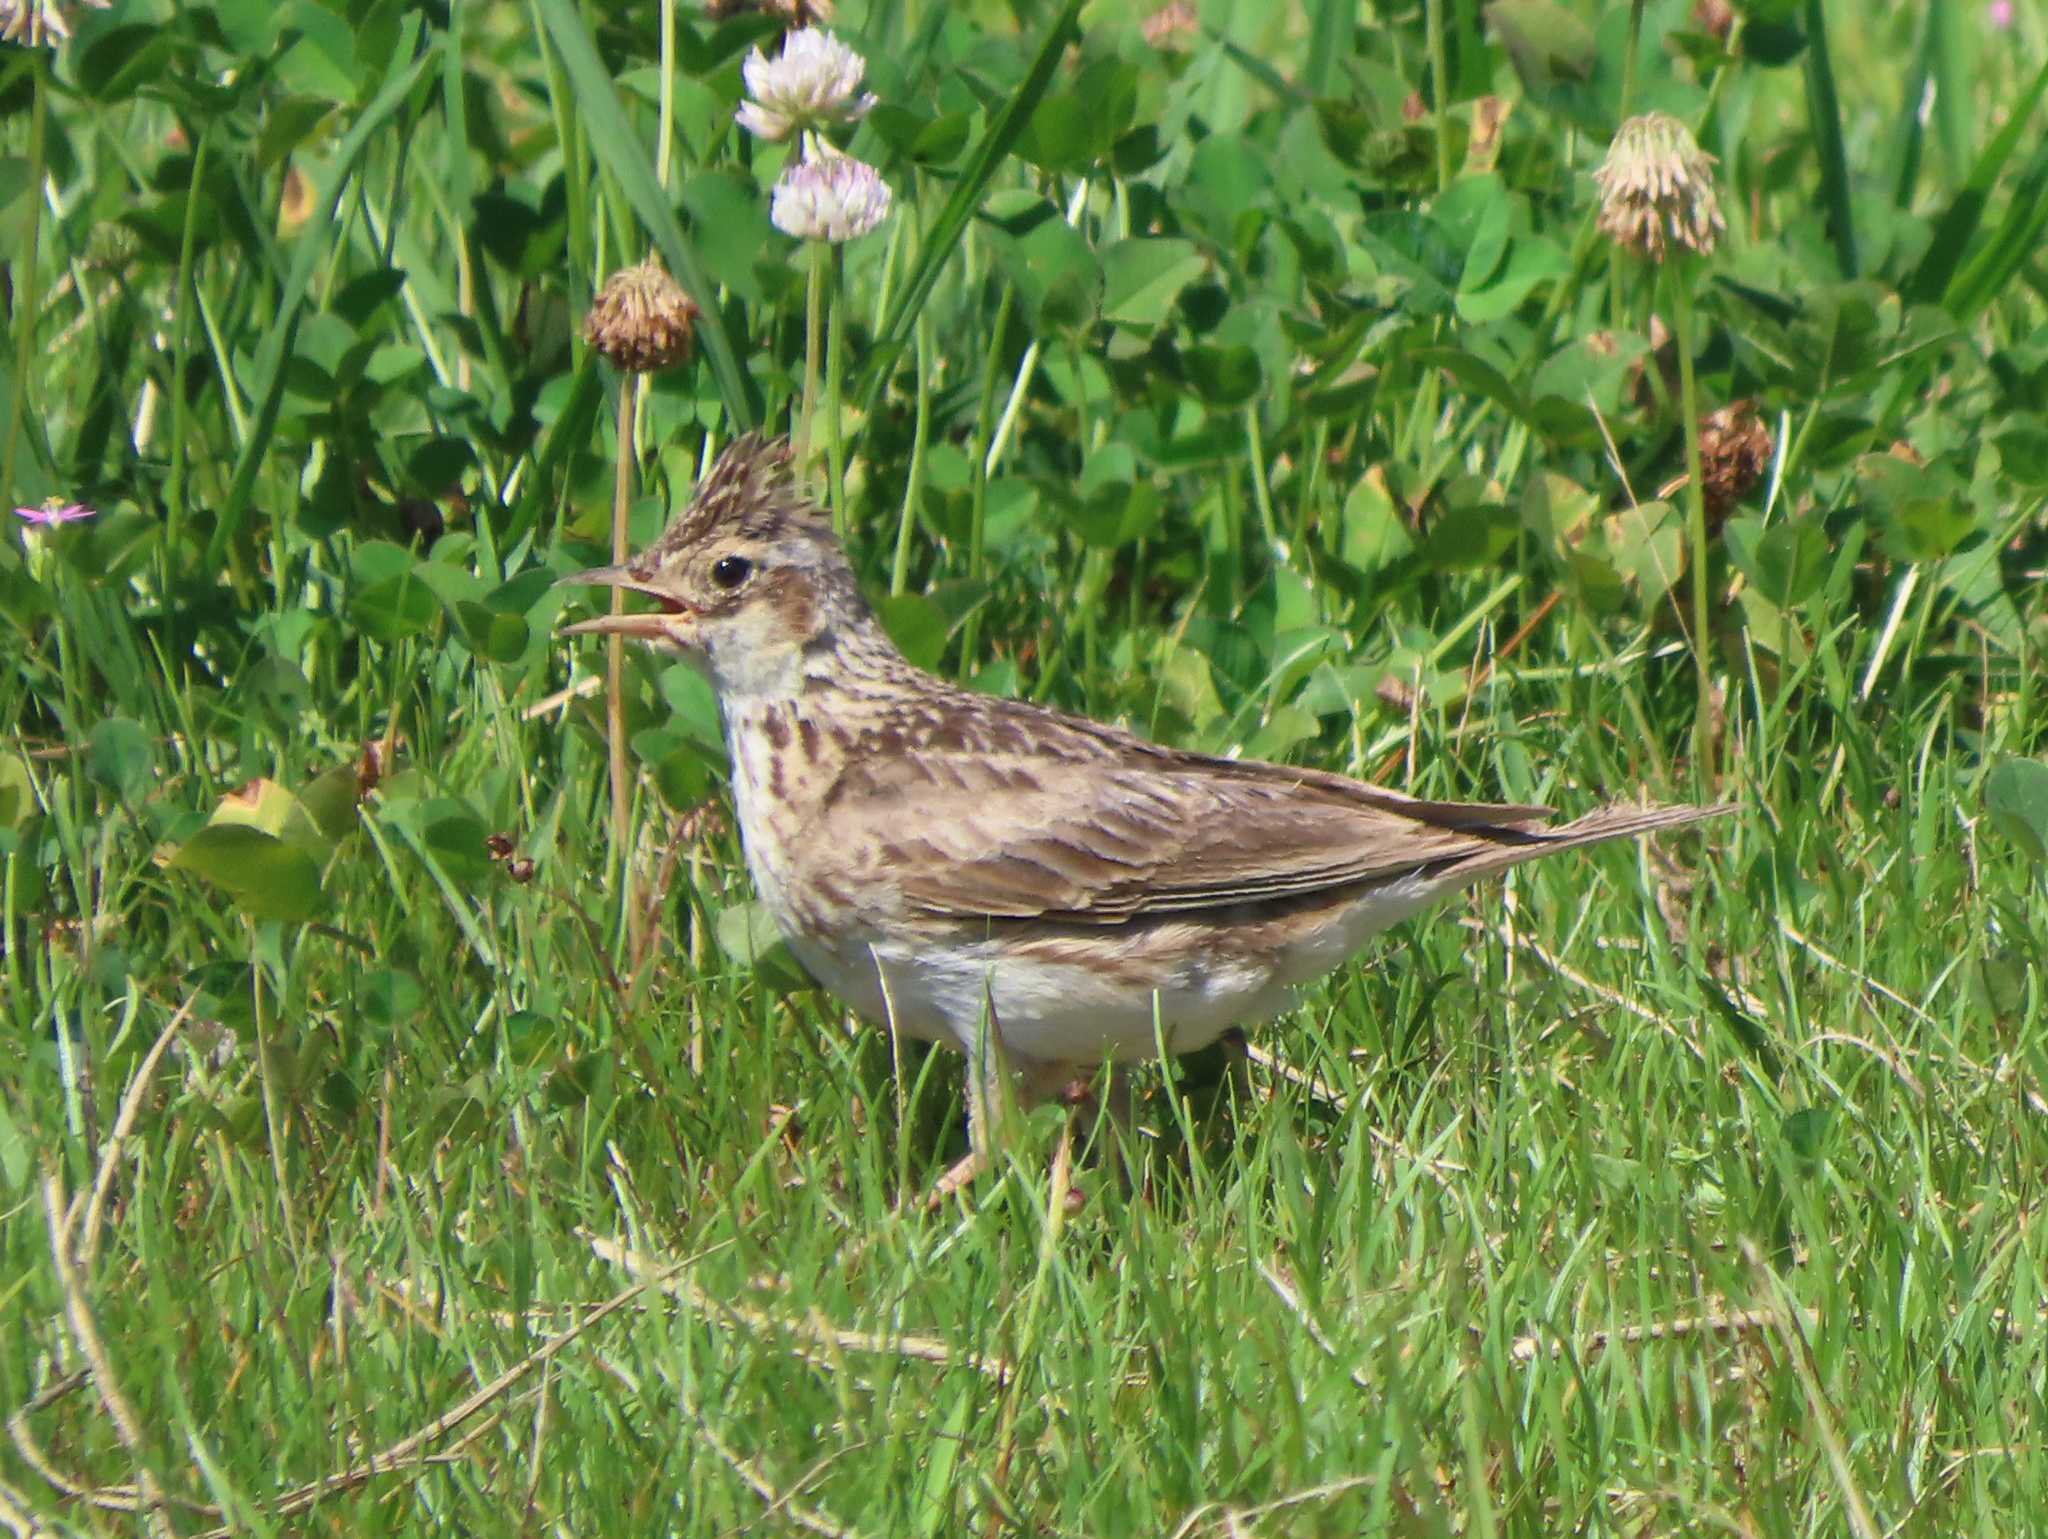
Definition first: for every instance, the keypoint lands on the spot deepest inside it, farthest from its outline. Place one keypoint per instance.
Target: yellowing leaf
(269, 807)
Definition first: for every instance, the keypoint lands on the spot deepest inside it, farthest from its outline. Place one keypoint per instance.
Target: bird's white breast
(1077, 1010)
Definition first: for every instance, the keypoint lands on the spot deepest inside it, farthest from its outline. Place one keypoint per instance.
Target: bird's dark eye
(730, 571)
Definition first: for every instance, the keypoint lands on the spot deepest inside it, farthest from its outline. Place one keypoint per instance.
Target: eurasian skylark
(1040, 890)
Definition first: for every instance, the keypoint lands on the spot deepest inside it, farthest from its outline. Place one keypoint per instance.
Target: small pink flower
(2000, 13)
(55, 512)
(830, 197)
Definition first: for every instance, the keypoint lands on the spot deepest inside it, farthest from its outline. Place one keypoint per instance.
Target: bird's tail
(1594, 828)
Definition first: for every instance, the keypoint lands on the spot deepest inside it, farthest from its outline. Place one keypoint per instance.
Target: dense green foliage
(1265, 383)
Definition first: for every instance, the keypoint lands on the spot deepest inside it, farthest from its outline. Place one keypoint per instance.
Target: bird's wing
(980, 834)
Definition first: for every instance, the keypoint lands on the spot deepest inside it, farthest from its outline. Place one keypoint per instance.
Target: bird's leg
(1119, 1101)
(1237, 1053)
(998, 1085)
(989, 1091)
(983, 1097)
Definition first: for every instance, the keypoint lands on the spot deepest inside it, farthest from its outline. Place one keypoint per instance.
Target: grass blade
(573, 425)
(944, 236)
(1958, 224)
(1470, 68)
(1329, 40)
(1824, 110)
(1258, 69)
(312, 247)
(613, 141)
(2005, 253)
(1909, 140)
(1955, 86)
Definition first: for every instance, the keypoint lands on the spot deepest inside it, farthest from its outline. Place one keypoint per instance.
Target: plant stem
(266, 1073)
(665, 133)
(814, 333)
(1255, 453)
(898, 235)
(1696, 509)
(174, 486)
(27, 298)
(1628, 59)
(835, 370)
(1440, 84)
(615, 659)
(913, 486)
(984, 433)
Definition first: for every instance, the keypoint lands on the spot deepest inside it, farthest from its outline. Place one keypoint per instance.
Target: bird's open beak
(644, 627)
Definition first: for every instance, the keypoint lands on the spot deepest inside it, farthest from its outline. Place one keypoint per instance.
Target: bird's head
(749, 581)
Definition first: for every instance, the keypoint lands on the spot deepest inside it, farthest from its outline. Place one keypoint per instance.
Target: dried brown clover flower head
(641, 319)
(796, 13)
(1735, 450)
(1657, 187)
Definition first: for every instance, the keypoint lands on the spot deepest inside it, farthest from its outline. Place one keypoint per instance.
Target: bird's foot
(964, 1172)
(1031, 1084)
(961, 1174)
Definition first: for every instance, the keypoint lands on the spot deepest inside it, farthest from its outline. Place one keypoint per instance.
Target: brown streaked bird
(1039, 890)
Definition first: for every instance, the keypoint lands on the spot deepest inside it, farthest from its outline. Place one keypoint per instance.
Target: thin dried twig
(1791, 1323)
(1522, 943)
(1855, 974)
(1526, 1349)
(17, 1519)
(1307, 1321)
(410, 1452)
(1483, 670)
(85, 1331)
(651, 901)
(830, 1338)
(52, 1392)
(304, 1497)
(1231, 1518)
(1280, 1068)
(1887, 1056)
(588, 685)
(778, 1501)
(106, 1498)
(88, 1228)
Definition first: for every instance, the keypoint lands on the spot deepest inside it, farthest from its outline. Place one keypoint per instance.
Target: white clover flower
(813, 81)
(829, 197)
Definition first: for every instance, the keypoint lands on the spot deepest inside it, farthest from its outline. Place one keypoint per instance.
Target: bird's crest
(751, 491)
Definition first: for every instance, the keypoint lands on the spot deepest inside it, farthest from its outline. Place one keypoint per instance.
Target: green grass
(1681, 1189)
